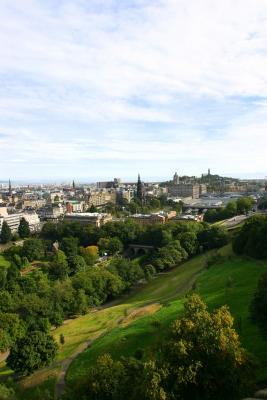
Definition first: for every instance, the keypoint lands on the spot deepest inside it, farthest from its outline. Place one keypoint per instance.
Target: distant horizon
(83, 180)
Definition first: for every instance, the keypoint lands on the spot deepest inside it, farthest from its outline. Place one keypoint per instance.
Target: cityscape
(133, 200)
(182, 198)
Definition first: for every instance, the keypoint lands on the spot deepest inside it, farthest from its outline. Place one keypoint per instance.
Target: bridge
(140, 248)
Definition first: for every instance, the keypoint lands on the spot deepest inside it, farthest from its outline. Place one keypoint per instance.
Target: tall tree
(36, 350)
(6, 234)
(24, 228)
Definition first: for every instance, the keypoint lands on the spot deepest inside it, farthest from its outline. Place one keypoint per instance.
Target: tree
(149, 271)
(33, 249)
(263, 203)
(70, 246)
(76, 263)
(111, 246)
(90, 254)
(34, 351)
(49, 231)
(244, 204)
(11, 328)
(93, 209)
(7, 393)
(59, 267)
(251, 239)
(6, 234)
(211, 215)
(189, 242)
(24, 228)
(213, 237)
(204, 358)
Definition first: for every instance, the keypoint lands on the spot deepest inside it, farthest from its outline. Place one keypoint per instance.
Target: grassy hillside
(141, 320)
(231, 282)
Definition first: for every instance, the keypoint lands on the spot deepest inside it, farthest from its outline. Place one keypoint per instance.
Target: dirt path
(60, 385)
(3, 356)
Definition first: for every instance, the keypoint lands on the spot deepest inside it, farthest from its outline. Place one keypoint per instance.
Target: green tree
(11, 329)
(213, 237)
(59, 267)
(251, 239)
(204, 358)
(24, 228)
(6, 234)
(33, 249)
(111, 246)
(149, 271)
(34, 351)
(244, 205)
(76, 263)
(70, 246)
(7, 393)
(93, 209)
(189, 242)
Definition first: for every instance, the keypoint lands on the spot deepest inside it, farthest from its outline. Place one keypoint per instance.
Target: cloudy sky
(93, 89)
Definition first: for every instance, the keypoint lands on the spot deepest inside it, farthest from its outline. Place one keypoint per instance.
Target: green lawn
(230, 282)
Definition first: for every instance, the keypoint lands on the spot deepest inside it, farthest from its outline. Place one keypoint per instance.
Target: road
(231, 222)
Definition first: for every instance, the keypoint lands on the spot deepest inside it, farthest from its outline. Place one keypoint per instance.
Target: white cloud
(113, 65)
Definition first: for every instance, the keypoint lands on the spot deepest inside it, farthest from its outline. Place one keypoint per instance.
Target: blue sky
(102, 88)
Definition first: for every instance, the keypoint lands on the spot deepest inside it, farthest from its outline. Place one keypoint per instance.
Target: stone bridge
(140, 248)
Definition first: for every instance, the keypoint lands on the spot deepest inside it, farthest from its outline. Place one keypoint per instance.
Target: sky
(96, 89)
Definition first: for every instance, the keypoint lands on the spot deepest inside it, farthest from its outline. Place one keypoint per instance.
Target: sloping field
(232, 282)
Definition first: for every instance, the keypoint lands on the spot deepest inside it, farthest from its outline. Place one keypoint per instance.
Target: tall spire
(73, 185)
(9, 187)
(140, 190)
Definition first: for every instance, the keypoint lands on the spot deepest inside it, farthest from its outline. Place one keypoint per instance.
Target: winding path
(61, 384)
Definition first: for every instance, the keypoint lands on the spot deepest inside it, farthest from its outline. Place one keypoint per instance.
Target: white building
(13, 220)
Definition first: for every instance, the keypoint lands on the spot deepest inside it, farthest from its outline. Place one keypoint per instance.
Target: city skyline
(99, 89)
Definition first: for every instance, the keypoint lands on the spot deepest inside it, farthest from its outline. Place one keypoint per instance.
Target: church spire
(140, 190)
(73, 185)
(9, 187)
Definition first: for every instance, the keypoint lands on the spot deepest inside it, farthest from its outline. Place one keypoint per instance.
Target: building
(51, 212)
(109, 184)
(73, 206)
(154, 218)
(32, 203)
(33, 220)
(101, 198)
(56, 197)
(13, 220)
(185, 190)
(202, 189)
(148, 219)
(175, 179)
(96, 219)
(125, 194)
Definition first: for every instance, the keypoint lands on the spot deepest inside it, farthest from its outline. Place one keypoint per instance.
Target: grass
(3, 261)
(40, 392)
(232, 282)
